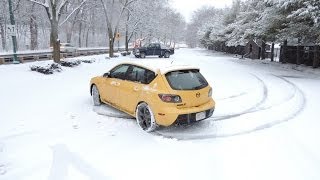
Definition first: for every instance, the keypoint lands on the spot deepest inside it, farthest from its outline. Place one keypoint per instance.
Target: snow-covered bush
(88, 61)
(70, 63)
(47, 69)
(125, 53)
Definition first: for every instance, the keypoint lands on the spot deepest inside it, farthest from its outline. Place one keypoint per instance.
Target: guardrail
(47, 55)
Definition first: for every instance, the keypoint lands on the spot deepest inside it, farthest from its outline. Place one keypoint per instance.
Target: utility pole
(14, 38)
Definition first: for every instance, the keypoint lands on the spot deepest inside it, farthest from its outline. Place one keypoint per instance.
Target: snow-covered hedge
(125, 53)
(70, 63)
(47, 69)
(55, 67)
(88, 61)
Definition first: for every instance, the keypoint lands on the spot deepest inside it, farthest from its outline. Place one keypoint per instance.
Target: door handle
(135, 89)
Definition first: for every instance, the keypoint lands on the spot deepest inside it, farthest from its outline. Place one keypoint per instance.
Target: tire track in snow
(252, 108)
(258, 108)
(109, 111)
(298, 93)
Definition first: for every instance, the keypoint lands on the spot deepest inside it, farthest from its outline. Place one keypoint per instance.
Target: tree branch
(46, 5)
(77, 8)
(62, 5)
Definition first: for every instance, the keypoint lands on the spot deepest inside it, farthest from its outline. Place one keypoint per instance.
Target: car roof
(161, 66)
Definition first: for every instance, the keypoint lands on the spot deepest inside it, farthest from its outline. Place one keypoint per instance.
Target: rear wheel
(142, 55)
(145, 117)
(166, 54)
(95, 96)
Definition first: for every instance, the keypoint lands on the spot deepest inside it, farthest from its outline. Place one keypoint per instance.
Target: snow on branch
(77, 8)
(44, 4)
(61, 6)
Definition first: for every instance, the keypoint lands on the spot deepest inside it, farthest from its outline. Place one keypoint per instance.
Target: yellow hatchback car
(166, 95)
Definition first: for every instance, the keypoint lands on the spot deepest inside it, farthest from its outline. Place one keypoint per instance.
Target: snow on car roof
(161, 65)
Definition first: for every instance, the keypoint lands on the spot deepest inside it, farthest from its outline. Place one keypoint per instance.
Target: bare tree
(114, 11)
(33, 29)
(54, 10)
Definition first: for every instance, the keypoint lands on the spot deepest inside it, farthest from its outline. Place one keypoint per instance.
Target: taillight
(170, 98)
(210, 92)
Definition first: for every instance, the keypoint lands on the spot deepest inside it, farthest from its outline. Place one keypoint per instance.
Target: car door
(137, 79)
(157, 50)
(150, 50)
(112, 83)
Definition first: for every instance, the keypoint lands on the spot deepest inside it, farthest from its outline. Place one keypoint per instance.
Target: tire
(145, 118)
(142, 55)
(166, 54)
(95, 96)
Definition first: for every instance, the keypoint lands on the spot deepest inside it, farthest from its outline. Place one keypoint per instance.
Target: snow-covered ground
(266, 125)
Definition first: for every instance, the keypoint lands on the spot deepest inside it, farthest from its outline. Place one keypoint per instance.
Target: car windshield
(146, 45)
(190, 79)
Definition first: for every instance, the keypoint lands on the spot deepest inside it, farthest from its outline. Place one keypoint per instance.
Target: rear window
(186, 80)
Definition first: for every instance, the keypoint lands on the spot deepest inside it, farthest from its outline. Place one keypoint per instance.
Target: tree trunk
(283, 52)
(272, 52)
(127, 39)
(111, 42)
(54, 38)
(298, 55)
(263, 50)
(69, 35)
(80, 32)
(3, 38)
(33, 30)
(56, 43)
(316, 58)
(87, 37)
(127, 33)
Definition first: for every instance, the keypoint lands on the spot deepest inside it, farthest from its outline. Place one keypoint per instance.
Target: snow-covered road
(265, 126)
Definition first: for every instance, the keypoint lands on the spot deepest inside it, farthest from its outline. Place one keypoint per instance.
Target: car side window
(119, 72)
(141, 75)
(149, 76)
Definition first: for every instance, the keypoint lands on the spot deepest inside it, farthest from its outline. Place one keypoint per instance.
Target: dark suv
(153, 49)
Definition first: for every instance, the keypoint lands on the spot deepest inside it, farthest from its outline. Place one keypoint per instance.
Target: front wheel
(142, 55)
(95, 96)
(166, 54)
(145, 117)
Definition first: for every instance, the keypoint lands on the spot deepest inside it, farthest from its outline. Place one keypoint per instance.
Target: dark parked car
(153, 49)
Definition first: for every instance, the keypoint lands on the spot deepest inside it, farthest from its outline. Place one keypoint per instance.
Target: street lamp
(14, 38)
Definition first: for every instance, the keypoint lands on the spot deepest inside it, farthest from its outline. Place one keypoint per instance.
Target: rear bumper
(166, 116)
(191, 118)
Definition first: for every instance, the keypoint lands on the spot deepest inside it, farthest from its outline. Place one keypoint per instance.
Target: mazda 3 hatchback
(155, 96)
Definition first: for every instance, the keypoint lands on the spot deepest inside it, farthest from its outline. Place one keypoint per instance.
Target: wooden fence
(299, 54)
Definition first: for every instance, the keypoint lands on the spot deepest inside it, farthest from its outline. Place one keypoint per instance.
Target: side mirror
(106, 74)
